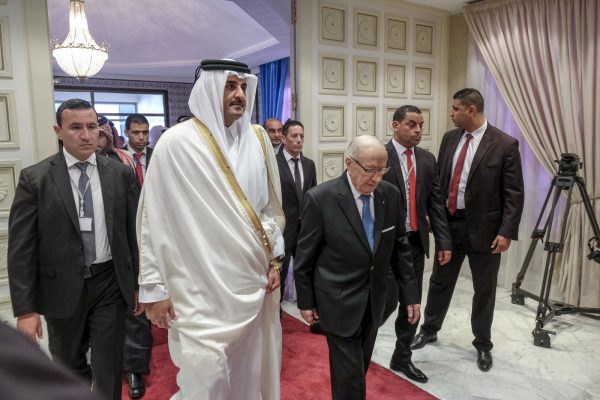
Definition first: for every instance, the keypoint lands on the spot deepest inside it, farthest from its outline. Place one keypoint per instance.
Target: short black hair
(401, 112)
(71, 104)
(289, 123)
(470, 97)
(137, 119)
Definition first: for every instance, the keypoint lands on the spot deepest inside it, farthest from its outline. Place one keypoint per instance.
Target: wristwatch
(275, 264)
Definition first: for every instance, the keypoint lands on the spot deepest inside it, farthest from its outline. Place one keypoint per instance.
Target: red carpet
(304, 373)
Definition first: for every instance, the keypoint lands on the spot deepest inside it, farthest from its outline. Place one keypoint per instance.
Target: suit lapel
(283, 165)
(108, 193)
(306, 172)
(379, 205)
(420, 166)
(62, 180)
(487, 141)
(394, 162)
(446, 171)
(348, 205)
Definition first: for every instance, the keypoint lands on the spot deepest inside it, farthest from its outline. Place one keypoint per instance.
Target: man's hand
(310, 316)
(444, 256)
(160, 313)
(273, 280)
(30, 325)
(139, 307)
(414, 313)
(500, 244)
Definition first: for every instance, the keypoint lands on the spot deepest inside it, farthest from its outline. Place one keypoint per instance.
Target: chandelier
(79, 55)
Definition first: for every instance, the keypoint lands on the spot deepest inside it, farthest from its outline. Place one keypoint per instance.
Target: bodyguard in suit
(412, 170)
(137, 347)
(274, 129)
(352, 230)
(72, 251)
(482, 185)
(297, 174)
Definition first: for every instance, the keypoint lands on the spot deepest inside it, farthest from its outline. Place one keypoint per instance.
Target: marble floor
(569, 370)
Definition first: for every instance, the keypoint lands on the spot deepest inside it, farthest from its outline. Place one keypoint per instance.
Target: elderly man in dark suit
(482, 184)
(412, 170)
(297, 174)
(72, 251)
(352, 230)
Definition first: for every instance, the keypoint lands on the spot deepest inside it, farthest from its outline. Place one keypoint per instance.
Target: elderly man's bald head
(366, 161)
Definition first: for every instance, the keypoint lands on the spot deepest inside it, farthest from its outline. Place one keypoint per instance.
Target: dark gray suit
(337, 273)
(430, 204)
(45, 256)
(493, 206)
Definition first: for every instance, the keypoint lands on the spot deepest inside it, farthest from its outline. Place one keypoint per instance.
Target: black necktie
(297, 178)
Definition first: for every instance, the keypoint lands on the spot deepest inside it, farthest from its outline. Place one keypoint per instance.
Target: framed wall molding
(5, 57)
(365, 120)
(9, 175)
(388, 117)
(395, 79)
(396, 29)
(332, 164)
(333, 72)
(9, 137)
(332, 24)
(365, 76)
(426, 131)
(366, 29)
(332, 119)
(423, 81)
(3, 256)
(424, 38)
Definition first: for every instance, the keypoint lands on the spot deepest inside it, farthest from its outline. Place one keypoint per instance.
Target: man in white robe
(210, 242)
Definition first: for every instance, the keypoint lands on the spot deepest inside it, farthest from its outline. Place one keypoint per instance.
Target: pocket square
(388, 229)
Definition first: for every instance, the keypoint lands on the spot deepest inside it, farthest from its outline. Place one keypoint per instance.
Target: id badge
(85, 224)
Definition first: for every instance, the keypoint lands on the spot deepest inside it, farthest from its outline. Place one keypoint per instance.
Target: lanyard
(82, 195)
(405, 172)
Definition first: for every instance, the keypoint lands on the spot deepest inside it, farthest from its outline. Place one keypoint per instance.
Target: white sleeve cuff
(152, 292)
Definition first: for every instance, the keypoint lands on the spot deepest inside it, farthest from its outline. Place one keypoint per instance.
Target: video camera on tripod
(564, 180)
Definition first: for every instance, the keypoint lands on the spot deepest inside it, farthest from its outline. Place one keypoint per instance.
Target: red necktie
(138, 167)
(460, 162)
(412, 191)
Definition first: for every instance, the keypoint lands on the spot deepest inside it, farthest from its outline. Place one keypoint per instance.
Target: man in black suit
(352, 230)
(137, 347)
(412, 170)
(72, 251)
(297, 174)
(482, 183)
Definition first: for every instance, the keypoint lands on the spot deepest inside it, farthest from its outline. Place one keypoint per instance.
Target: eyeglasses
(372, 171)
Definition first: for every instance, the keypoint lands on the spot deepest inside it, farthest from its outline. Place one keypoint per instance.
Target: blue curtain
(272, 87)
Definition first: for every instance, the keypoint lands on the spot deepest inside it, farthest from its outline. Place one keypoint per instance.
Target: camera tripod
(565, 180)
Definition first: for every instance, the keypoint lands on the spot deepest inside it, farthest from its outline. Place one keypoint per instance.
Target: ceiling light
(79, 55)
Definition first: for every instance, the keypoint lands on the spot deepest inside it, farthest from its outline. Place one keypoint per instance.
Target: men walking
(482, 184)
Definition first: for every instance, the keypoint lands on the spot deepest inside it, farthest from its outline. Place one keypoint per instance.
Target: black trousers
(99, 321)
(405, 332)
(285, 267)
(349, 359)
(137, 346)
(484, 269)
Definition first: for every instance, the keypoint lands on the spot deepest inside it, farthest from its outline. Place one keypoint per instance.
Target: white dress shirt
(291, 164)
(100, 235)
(358, 200)
(473, 145)
(142, 158)
(405, 173)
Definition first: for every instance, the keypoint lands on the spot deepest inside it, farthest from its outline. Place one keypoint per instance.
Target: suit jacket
(290, 198)
(45, 248)
(429, 197)
(335, 269)
(26, 372)
(494, 192)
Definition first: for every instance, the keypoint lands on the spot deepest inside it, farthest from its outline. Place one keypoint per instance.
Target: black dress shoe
(484, 360)
(410, 371)
(421, 340)
(136, 385)
(316, 329)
